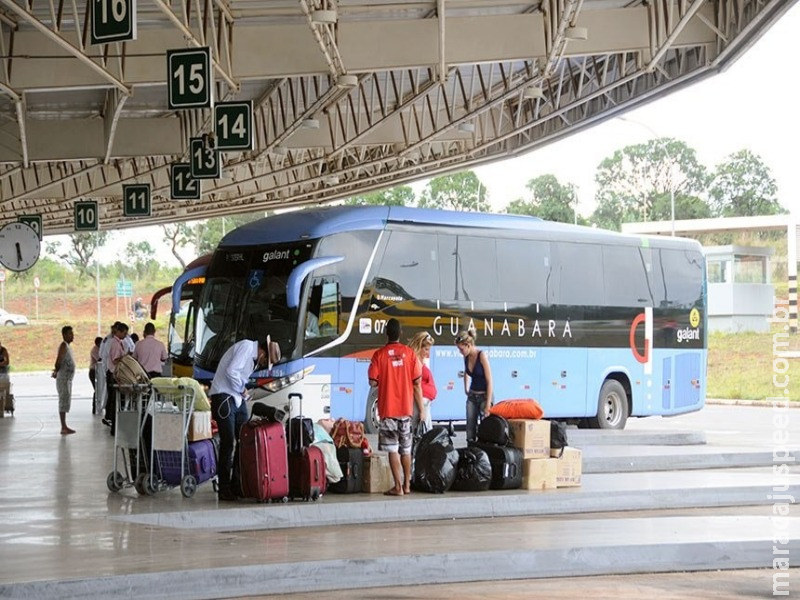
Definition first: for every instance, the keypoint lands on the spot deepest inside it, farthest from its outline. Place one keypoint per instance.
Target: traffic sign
(233, 125)
(190, 78)
(113, 21)
(86, 216)
(124, 289)
(34, 222)
(36, 282)
(182, 185)
(204, 160)
(136, 200)
(2, 275)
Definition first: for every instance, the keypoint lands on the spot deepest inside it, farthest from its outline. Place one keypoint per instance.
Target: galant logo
(687, 333)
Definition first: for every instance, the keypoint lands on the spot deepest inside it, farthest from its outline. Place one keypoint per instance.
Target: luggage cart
(174, 462)
(132, 402)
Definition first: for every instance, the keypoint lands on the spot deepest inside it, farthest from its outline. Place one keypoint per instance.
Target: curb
(760, 403)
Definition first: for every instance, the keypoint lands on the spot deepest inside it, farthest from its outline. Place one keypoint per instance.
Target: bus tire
(612, 407)
(372, 420)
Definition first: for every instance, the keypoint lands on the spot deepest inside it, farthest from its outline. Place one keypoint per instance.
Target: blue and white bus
(597, 326)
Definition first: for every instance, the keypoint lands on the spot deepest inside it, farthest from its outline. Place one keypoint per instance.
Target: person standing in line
(5, 363)
(229, 408)
(102, 368)
(116, 350)
(94, 358)
(63, 372)
(421, 345)
(396, 371)
(477, 382)
(150, 352)
(5, 383)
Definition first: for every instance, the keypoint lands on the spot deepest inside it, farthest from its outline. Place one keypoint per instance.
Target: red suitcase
(308, 478)
(263, 463)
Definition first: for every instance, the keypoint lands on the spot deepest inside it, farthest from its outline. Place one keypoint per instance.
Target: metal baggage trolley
(172, 407)
(130, 465)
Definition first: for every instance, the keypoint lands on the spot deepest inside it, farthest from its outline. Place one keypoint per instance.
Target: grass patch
(740, 366)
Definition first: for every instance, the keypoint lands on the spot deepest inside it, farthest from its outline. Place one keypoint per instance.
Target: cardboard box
(530, 436)
(539, 473)
(377, 473)
(569, 467)
(199, 426)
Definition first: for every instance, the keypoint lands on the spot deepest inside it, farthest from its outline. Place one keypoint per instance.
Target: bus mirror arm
(299, 273)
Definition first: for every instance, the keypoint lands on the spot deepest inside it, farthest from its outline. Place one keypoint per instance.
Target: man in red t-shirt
(397, 373)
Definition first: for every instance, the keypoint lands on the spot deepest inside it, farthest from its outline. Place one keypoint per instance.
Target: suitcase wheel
(188, 486)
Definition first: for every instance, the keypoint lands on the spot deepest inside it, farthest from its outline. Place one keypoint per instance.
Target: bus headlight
(279, 383)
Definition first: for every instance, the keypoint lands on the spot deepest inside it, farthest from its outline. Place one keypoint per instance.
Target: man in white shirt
(150, 352)
(100, 374)
(229, 408)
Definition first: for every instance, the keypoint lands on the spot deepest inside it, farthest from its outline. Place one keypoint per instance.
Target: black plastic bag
(435, 462)
(474, 471)
(558, 436)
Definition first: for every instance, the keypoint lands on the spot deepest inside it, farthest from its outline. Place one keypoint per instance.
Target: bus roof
(319, 222)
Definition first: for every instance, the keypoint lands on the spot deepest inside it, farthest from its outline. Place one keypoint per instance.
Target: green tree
(743, 186)
(637, 184)
(177, 236)
(142, 257)
(402, 195)
(82, 248)
(462, 191)
(549, 199)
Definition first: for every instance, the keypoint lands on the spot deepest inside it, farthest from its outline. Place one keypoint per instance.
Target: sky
(749, 106)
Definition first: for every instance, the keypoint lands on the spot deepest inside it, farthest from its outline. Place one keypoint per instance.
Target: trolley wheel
(315, 495)
(188, 486)
(115, 481)
(150, 488)
(139, 484)
(215, 485)
(285, 499)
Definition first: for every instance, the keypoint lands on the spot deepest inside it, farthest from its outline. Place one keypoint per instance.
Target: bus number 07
(380, 325)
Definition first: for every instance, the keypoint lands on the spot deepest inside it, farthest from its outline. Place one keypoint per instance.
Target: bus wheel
(612, 407)
(372, 420)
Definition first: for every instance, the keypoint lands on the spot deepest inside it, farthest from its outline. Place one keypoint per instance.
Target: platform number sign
(34, 222)
(182, 185)
(86, 216)
(190, 78)
(113, 21)
(233, 125)
(136, 200)
(204, 160)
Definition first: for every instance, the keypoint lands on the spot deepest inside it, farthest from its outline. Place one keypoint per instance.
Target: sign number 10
(118, 10)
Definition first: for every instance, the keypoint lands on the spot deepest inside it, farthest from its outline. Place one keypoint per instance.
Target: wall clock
(19, 246)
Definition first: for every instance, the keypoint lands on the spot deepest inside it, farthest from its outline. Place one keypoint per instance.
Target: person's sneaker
(106, 422)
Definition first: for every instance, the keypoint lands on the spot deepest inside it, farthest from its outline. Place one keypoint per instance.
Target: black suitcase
(352, 462)
(494, 430)
(506, 466)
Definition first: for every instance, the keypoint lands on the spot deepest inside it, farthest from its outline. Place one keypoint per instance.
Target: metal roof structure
(349, 96)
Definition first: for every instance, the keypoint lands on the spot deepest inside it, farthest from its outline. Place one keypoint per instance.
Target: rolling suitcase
(308, 477)
(352, 462)
(263, 463)
(201, 458)
(506, 466)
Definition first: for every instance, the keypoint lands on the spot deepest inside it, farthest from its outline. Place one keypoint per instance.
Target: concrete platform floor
(63, 535)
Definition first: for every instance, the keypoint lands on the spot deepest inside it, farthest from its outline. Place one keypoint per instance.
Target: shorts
(394, 435)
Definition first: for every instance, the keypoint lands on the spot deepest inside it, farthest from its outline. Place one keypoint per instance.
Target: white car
(10, 319)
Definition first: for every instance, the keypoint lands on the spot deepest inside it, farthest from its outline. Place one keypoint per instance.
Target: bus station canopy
(347, 97)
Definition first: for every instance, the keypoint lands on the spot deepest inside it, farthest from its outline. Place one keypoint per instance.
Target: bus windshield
(245, 298)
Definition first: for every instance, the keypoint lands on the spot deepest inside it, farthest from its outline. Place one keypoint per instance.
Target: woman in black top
(477, 381)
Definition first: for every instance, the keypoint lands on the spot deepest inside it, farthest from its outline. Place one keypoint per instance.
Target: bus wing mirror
(178, 285)
(300, 272)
